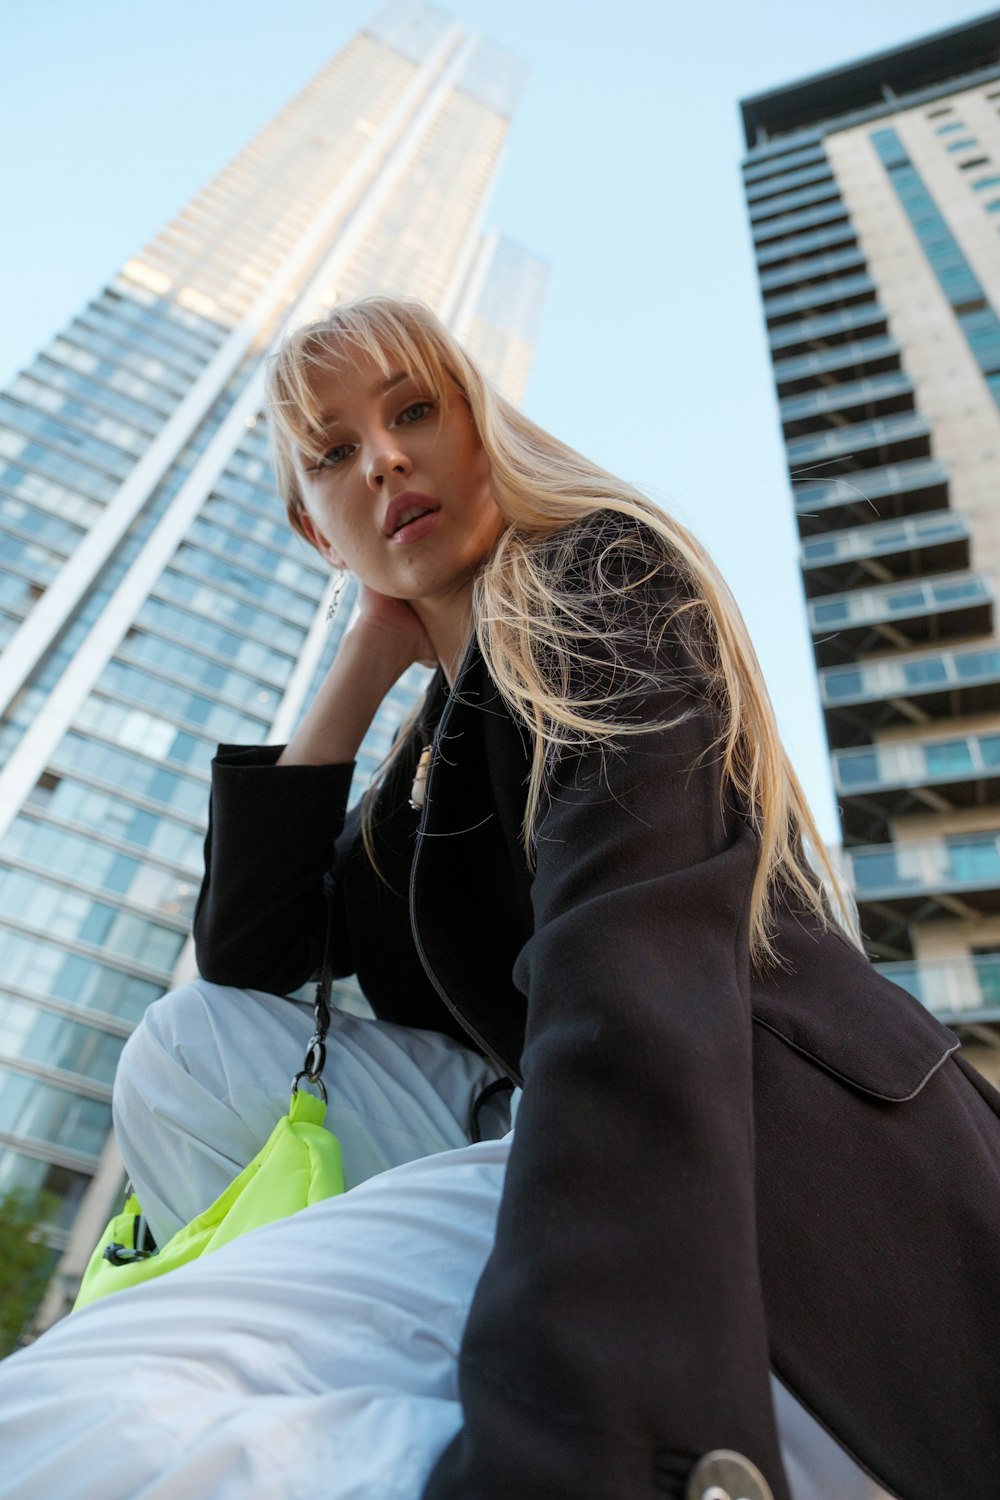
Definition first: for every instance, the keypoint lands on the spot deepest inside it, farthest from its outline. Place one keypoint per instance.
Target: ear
(318, 540)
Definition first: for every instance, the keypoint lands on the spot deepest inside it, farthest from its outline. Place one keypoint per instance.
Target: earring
(337, 588)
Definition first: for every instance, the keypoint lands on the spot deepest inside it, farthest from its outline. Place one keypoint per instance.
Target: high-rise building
(874, 200)
(153, 600)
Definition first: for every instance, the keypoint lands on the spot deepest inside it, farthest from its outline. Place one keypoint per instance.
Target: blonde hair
(543, 629)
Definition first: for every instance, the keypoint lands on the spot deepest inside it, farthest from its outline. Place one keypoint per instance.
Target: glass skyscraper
(874, 200)
(153, 600)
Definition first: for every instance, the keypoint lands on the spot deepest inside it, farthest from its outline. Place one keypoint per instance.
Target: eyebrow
(328, 418)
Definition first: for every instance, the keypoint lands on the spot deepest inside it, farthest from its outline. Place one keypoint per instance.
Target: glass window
(41, 1111)
(43, 1036)
(856, 770)
(34, 1176)
(927, 673)
(35, 423)
(114, 815)
(830, 614)
(186, 664)
(952, 757)
(905, 602)
(976, 665)
(889, 147)
(217, 719)
(875, 871)
(820, 551)
(959, 593)
(974, 859)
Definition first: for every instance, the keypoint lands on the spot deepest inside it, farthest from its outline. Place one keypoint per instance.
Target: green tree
(25, 1261)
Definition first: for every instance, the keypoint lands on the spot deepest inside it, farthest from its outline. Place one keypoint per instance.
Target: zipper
(424, 804)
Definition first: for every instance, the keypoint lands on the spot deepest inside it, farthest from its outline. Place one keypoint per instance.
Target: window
(950, 758)
(974, 161)
(963, 144)
(952, 126)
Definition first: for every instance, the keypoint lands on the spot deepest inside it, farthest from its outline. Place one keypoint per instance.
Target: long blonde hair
(538, 633)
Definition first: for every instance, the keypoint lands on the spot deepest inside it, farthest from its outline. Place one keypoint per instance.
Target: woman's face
(401, 494)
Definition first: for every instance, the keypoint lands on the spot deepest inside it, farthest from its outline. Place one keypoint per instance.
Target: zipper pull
(419, 788)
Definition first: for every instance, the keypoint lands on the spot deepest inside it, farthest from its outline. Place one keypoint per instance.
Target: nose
(386, 458)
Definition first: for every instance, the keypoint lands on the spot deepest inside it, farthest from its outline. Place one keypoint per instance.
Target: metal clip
(118, 1255)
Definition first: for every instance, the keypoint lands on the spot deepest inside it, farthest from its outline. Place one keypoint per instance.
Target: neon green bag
(299, 1165)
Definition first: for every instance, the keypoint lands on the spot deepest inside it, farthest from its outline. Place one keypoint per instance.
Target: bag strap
(315, 1058)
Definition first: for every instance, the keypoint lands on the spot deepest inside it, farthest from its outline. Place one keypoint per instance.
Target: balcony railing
(917, 763)
(791, 223)
(840, 357)
(956, 990)
(824, 190)
(815, 296)
(910, 676)
(804, 244)
(866, 315)
(884, 538)
(760, 167)
(814, 269)
(899, 601)
(860, 437)
(784, 182)
(922, 483)
(831, 398)
(960, 863)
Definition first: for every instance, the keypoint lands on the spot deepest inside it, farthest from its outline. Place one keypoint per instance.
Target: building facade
(873, 194)
(153, 600)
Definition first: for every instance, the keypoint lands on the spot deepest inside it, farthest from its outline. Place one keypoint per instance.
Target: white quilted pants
(315, 1357)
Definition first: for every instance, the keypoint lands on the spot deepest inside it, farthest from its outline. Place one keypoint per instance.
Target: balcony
(877, 783)
(790, 224)
(917, 689)
(807, 244)
(959, 991)
(823, 190)
(897, 884)
(863, 445)
(816, 269)
(938, 542)
(900, 614)
(858, 357)
(785, 181)
(760, 167)
(890, 493)
(817, 410)
(831, 328)
(846, 290)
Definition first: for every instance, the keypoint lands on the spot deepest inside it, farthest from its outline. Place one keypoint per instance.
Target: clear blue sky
(622, 171)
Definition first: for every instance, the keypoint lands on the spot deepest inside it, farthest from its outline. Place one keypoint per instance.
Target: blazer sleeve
(261, 914)
(618, 1331)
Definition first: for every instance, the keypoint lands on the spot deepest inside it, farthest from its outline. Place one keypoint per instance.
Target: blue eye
(336, 455)
(416, 411)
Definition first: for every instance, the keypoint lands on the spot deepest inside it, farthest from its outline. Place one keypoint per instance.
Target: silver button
(725, 1475)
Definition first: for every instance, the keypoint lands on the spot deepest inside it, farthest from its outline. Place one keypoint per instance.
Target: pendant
(419, 788)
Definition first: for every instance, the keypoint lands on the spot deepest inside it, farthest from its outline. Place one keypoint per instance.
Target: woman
(747, 1172)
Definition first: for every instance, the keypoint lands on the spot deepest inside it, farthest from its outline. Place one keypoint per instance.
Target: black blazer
(715, 1172)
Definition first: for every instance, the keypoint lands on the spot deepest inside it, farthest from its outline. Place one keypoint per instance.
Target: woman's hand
(393, 620)
(385, 639)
